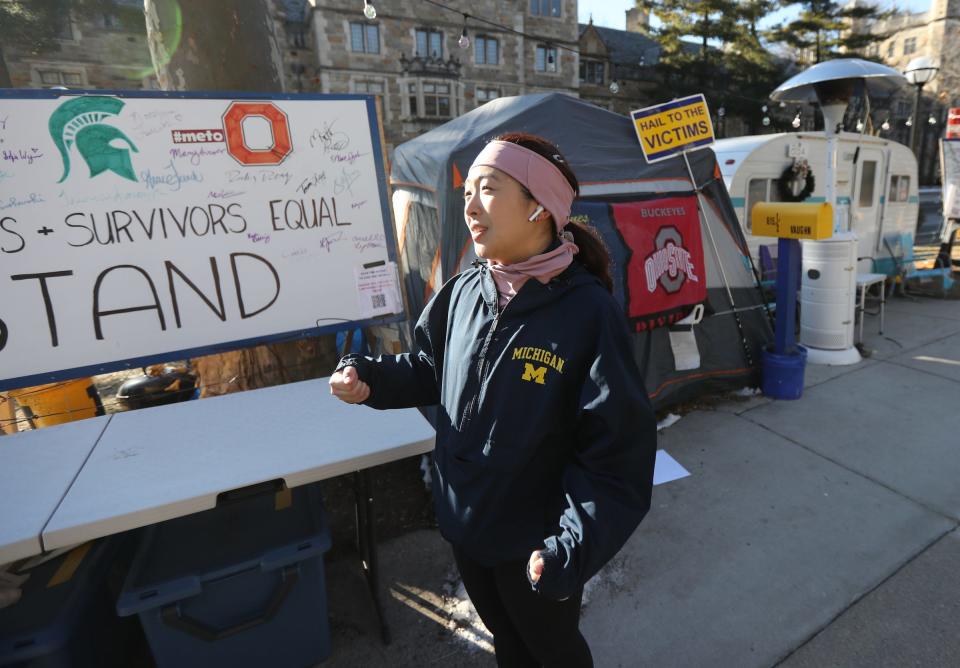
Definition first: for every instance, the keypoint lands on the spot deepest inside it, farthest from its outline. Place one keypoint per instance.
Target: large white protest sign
(950, 169)
(142, 227)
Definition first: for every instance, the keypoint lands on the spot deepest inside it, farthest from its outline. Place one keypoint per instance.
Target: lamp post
(920, 71)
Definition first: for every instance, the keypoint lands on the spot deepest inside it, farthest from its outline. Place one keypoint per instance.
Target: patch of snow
(668, 421)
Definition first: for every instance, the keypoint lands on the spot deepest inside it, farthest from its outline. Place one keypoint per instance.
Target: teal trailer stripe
(738, 201)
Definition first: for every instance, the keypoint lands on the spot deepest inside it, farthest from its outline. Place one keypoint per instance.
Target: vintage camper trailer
(876, 185)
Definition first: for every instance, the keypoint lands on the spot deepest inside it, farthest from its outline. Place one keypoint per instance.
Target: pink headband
(541, 177)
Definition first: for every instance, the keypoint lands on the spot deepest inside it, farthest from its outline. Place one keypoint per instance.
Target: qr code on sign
(378, 301)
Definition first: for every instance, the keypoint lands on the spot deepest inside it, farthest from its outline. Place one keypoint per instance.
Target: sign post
(673, 129)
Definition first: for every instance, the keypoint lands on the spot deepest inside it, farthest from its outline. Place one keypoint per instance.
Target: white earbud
(535, 213)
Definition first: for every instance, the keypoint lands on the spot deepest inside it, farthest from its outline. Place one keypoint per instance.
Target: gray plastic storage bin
(239, 585)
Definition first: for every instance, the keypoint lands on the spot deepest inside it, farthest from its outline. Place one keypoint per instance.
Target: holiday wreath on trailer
(797, 182)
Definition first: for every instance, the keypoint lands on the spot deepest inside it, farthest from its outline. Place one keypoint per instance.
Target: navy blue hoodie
(545, 437)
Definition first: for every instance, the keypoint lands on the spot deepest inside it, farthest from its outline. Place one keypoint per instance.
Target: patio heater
(829, 267)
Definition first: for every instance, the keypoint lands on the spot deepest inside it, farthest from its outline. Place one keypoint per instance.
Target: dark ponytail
(593, 253)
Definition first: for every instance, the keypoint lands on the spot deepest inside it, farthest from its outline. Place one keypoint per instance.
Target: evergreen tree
(691, 65)
(753, 70)
(823, 30)
(717, 48)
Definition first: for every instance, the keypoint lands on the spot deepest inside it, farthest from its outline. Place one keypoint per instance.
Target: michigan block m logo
(77, 122)
(537, 374)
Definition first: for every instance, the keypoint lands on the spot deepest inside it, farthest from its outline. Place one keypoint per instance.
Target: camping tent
(646, 214)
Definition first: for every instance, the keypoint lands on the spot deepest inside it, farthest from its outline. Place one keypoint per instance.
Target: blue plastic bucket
(782, 375)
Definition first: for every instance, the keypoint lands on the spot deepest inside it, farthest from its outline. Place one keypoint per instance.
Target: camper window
(760, 190)
(899, 188)
(868, 175)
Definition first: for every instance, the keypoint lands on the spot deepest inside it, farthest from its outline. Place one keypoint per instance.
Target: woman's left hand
(535, 566)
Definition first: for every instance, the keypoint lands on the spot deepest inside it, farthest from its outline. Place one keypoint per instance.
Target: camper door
(865, 200)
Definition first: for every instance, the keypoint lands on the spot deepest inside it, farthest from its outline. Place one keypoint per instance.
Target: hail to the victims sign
(668, 129)
(138, 226)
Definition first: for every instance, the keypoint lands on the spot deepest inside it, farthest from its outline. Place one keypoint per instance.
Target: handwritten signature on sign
(314, 180)
(345, 181)
(195, 155)
(13, 202)
(328, 241)
(151, 122)
(329, 139)
(22, 154)
(170, 177)
(364, 241)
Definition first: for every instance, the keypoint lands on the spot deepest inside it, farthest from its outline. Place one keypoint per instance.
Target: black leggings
(528, 629)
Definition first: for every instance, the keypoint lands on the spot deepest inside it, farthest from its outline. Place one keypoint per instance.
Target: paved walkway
(818, 532)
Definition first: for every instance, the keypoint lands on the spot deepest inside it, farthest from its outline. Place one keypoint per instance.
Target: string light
(614, 87)
(885, 125)
(859, 125)
(642, 62)
(464, 41)
(369, 10)
(909, 122)
(932, 120)
(796, 121)
(766, 121)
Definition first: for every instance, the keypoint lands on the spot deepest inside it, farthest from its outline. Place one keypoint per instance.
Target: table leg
(367, 544)
(862, 309)
(883, 301)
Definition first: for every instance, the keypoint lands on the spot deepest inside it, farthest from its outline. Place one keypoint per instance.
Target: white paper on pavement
(667, 469)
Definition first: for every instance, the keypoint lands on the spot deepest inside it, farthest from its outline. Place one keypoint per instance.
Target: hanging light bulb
(766, 121)
(464, 41)
(369, 10)
(796, 120)
(763, 108)
(721, 111)
(782, 104)
(859, 125)
(614, 87)
(909, 122)
(932, 120)
(885, 125)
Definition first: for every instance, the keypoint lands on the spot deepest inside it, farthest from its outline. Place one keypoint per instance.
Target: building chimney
(638, 19)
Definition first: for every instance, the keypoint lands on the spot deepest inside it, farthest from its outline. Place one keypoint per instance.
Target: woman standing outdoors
(546, 439)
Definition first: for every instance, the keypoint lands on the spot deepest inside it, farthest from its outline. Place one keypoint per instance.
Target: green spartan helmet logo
(77, 121)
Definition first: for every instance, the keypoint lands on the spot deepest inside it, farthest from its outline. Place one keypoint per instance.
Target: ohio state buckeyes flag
(665, 274)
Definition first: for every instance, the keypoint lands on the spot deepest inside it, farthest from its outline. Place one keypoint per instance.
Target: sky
(610, 13)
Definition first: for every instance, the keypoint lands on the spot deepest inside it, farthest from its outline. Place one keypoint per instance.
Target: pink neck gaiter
(511, 277)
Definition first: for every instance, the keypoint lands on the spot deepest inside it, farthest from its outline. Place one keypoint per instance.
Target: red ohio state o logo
(236, 143)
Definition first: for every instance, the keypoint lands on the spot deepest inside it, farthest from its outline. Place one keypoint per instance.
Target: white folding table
(169, 461)
(84, 480)
(36, 470)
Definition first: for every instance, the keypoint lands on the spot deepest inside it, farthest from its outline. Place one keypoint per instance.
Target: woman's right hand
(347, 386)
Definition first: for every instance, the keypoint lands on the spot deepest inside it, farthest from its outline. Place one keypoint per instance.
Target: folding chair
(908, 266)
